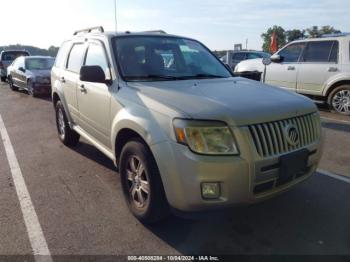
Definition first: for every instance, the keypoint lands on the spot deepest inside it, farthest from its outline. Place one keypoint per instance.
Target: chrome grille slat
(269, 138)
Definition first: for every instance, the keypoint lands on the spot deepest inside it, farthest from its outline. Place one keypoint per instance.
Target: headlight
(206, 137)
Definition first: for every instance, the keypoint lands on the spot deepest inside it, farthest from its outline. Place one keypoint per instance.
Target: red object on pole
(273, 45)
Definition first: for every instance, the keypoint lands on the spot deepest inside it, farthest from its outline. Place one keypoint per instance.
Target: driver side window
(96, 57)
(291, 53)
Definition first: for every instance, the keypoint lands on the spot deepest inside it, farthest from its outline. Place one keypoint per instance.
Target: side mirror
(266, 61)
(276, 58)
(94, 74)
(22, 69)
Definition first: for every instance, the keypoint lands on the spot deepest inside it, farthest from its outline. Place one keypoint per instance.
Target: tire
(140, 180)
(67, 135)
(339, 100)
(3, 79)
(30, 89)
(12, 86)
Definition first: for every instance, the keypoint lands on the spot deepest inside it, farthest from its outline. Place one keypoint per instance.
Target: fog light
(210, 190)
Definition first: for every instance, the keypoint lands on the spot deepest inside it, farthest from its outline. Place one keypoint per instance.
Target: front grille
(270, 139)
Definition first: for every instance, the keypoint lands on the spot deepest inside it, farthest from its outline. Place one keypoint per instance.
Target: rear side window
(75, 58)
(62, 54)
(291, 53)
(323, 51)
(333, 57)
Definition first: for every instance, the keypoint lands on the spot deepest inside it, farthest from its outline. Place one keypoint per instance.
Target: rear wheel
(339, 100)
(12, 86)
(3, 79)
(142, 184)
(67, 135)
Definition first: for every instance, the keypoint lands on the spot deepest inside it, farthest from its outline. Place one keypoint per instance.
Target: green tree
(281, 37)
(315, 31)
(52, 51)
(294, 34)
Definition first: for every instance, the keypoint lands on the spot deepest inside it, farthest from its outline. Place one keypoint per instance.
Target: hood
(40, 73)
(236, 101)
(250, 65)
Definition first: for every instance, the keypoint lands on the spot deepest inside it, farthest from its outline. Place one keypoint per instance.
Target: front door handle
(332, 69)
(82, 89)
(62, 80)
(291, 68)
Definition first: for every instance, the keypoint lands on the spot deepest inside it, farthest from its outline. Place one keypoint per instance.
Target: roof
(99, 31)
(325, 38)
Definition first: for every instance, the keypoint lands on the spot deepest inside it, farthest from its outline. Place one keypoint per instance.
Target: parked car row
(232, 58)
(31, 73)
(6, 59)
(319, 68)
(184, 133)
(23, 71)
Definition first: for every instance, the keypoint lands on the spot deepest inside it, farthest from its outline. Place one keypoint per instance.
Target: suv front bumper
(243, 179)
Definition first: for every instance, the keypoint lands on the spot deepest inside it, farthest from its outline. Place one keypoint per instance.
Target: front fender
(334, 80)
(58, 90)
(147, 125)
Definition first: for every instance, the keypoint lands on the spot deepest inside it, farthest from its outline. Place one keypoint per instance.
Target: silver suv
(319, 68)
(184, 134)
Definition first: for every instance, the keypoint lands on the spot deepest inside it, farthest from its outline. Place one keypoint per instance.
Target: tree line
(285, 36)
(51, 51)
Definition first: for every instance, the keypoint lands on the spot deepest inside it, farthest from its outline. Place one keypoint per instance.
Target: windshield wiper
(202, 76)
(158, 77)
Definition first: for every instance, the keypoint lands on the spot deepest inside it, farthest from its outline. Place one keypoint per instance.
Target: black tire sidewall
(331, 95)
(156, 207)
(30, 88)
(59, 106)
(12, 86)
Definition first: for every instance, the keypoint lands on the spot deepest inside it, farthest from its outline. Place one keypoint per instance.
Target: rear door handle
(62, 80)
(82, 89)
(332, 69)
(291, 68)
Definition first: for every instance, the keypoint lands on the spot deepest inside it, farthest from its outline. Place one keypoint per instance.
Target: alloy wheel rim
(341, 101)
(138, 182)
(61, 124)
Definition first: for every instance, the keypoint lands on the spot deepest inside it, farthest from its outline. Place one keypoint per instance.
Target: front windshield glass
(39, 63)
(152, 58)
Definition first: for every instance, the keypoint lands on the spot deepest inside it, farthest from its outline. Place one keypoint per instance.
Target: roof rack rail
(155, 31)
(88, 30)
(335, 35)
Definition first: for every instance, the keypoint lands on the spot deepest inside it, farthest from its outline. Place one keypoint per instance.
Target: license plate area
(293, 164)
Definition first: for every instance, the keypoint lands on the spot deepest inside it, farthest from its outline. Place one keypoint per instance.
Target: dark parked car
(31, 73)
(6, 59)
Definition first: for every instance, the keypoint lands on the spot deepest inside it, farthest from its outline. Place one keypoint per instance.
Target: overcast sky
(217, 23)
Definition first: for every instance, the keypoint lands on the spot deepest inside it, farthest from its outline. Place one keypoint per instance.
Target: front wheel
(30, 88)
(3, 79)
(12, 86)
(339, 100)
(67, 135)
(141, 183)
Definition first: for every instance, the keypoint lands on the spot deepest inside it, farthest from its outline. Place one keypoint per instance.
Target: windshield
(39, 63)
(265, 55)
(150, 58)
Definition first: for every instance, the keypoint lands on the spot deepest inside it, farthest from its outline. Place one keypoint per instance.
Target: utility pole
(246, 44)
(115, 15)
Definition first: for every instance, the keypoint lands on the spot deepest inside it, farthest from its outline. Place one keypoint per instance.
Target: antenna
(115, 14)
